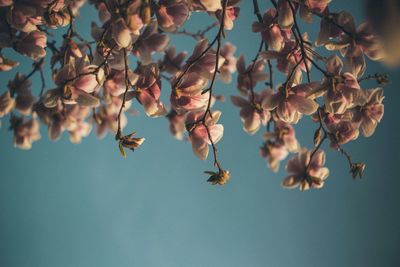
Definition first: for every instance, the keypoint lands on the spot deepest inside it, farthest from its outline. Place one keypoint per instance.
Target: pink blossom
(288, 56)
(342, 127)
(274, 153)
(121, 33)
(32, 44)
(21, 87)
(25, 132)
(187, 95)
(7, 103)
(278, 144)
(305, 171)
(229, 67)
(285, 14)
(7, 64)
(270, 31)
(76, 81)
(176, 124)
(251, 112)
(370, 114)
(149, 42)
(206, 5)
(172, 61)
(171, 14)
(292, 102)
(256, 72)
(198, 135)
(205, 60)
(148, 90)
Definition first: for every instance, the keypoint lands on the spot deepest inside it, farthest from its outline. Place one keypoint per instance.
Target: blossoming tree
(94, 83)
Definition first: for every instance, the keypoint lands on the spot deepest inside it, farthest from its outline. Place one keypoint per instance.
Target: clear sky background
(65, 205)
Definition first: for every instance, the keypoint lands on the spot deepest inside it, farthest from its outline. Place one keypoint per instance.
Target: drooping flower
(249, 76)
(7, 64)
(291, 102)
(149, 42)
(25, 132)
(187, 95)
(172, 14)
(32, 44)
(342, 90)
(305, 171)
(21, 87)
(7, 103)
(370, 114)
(271, 33)
(199, 134)
(229, 67)
(148, 91)
(172, 62)
(278, 144)
(251, 112)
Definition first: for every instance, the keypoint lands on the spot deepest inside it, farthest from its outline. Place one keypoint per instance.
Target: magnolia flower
(342, 90)
(370, 114)
(289, 56)
(251, 112)
(229, 67)
(172, 62)
(76, 81)
(150, 41)
(21, 87)
(274, 153)
(32, 44)
(187, 95)
(305, 171)
(76, 125)
(353, 43)
(204, 65)
(285, 14)
(176, 124)
(7, 64)
(278, 144)
(199, 133)
(19, 18)
(270, 31)
(206, 5)
(231, 14)
(342, 127)
(309, 6)
(148, 91)
(172, 14)
(115, 83)
(256, 72)
(25, 132)
(107, 117)
(121, 33)
(7, 103)
(290, 102)
(284, 134)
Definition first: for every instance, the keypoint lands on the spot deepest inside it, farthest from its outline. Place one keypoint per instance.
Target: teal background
(84, 205)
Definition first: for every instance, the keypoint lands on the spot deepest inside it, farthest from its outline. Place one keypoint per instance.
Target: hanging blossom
(131, 59)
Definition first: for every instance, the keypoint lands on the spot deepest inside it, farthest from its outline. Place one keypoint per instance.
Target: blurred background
(84, 205)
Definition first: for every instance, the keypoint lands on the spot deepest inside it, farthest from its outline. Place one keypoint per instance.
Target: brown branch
(127, 86)
(300, 39)
(199, 35)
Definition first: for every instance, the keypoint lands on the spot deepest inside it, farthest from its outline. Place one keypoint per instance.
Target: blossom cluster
(94, 85)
